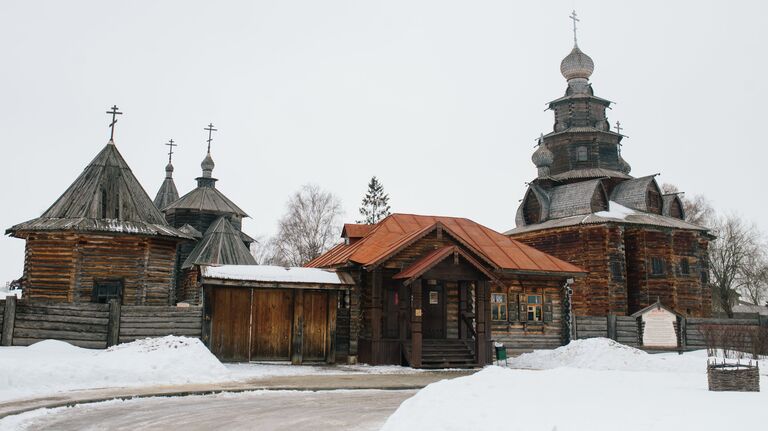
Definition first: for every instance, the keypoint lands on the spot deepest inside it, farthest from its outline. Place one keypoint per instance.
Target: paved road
(261, 410)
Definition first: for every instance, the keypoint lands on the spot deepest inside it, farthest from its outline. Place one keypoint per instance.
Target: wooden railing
(469, 319)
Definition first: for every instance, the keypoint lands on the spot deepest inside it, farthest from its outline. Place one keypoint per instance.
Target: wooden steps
(446, 354)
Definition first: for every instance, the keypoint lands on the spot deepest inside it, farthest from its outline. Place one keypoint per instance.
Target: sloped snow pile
(53, 366)
(606, 354)
(571, 399)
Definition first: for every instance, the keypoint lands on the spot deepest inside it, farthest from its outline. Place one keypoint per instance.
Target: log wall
(63, 267)
(87, 325)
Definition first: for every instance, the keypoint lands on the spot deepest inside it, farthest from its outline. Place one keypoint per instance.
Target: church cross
(170, 145)
(573, 17)
(618, 127)
(115, 113)
(210, 130)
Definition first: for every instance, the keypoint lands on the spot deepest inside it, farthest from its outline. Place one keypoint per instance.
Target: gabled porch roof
(433, 258)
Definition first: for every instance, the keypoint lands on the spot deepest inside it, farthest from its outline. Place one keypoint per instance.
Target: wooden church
(102, 239)
(586, 208)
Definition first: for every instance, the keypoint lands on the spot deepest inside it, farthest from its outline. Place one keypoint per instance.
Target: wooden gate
(252, 324)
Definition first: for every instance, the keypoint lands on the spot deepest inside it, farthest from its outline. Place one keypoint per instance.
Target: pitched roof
(167, 192)
(616, 214)
(589, 173)
(633, 193)
(105, 197)
(430, 260)
(355, 230)
(572, 199)
(400, 230)
(206, 199)
(221, 245)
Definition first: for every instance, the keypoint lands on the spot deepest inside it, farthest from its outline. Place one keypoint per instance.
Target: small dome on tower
(577, 65)
(624, 166)
(169, 168)
(207, 165)
(542, 157)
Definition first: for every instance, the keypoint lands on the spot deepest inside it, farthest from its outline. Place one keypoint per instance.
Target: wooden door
(315, 341)
(230, 319)
(271, 317)
(433, 320)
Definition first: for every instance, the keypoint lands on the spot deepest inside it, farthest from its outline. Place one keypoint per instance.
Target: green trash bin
(501, 353)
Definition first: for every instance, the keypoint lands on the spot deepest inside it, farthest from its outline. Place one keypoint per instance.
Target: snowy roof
(277, 274)
(616, 213)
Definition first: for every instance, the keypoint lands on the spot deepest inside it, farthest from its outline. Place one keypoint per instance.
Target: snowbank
(53, 366)
(570, 399)
(606, 354)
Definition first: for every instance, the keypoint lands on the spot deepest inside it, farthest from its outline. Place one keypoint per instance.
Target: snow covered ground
(53, 366)
(594, 385)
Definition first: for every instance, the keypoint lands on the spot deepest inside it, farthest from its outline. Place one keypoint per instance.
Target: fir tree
(375, 204)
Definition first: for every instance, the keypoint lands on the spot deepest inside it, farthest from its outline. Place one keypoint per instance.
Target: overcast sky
(442, 100)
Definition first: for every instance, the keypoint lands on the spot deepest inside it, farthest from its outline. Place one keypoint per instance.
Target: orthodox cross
(618, 127)
(573, 17)
(170, 145)
(115, 113)
(210, 130)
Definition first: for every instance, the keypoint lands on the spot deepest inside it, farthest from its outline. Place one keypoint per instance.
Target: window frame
(499, 308)
(534, 310)
(685, 266)
(657, 266)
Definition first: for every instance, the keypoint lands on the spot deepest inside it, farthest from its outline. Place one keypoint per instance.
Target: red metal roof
(356, 230)
(397, 231)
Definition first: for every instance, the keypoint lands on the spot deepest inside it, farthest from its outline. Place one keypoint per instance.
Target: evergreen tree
(375, 204)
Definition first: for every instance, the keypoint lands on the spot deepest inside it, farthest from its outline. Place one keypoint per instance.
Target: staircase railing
(468, 319)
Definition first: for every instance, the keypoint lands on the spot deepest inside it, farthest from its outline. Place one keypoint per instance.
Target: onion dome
(207, 165)
(543, 158)
(624, 166)
(168, 170)
(577, 65)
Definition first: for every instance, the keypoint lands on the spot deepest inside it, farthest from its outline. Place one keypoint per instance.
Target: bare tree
(753, 278)
(263, 250)
(697, 209)
(310, 226)
(729, 257)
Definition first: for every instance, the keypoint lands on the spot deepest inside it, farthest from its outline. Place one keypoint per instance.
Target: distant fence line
(626, 329)
(93, 326)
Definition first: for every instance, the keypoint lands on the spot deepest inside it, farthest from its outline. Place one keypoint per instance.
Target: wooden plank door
(230, 318)
(433, 321)
(315, 341)
(271, 317)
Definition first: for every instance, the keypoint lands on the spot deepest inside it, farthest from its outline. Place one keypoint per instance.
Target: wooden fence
(694, 337)
(622, 329)
(93, 326)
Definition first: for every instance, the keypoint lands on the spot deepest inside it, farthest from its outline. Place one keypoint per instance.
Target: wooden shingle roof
(633, 193)
(106, 197)
(206, 199)
(400, 230)
(221, 245)
(167, 193)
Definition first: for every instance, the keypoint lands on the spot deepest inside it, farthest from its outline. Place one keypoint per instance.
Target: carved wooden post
(416, 312)
(402, 312)
(612, 326)
(113, 324)
(297, 333)
(333, 305)
(376, 313)
(355, 317)
(482, 336)
(9, 318)
(462, 309)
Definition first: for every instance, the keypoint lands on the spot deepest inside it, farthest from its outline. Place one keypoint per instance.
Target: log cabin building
(102, 239)
(434, 291)
(585, 207)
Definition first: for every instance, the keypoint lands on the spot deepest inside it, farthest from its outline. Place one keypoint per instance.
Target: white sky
(442, 100)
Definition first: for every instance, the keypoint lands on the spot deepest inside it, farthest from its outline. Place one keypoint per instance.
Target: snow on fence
(93, 326)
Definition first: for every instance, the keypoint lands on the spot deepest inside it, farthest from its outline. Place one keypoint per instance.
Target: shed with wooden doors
(102, 239)
(272, 313)
(433, 292)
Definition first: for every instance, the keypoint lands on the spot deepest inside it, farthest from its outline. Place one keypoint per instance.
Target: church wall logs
(619, 261)
(63, 267)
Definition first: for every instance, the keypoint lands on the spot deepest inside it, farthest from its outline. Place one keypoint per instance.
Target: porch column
(402, 312)
(481, 349)
(416, 312)
(376, 314)
(462, 309)
(354, 321)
